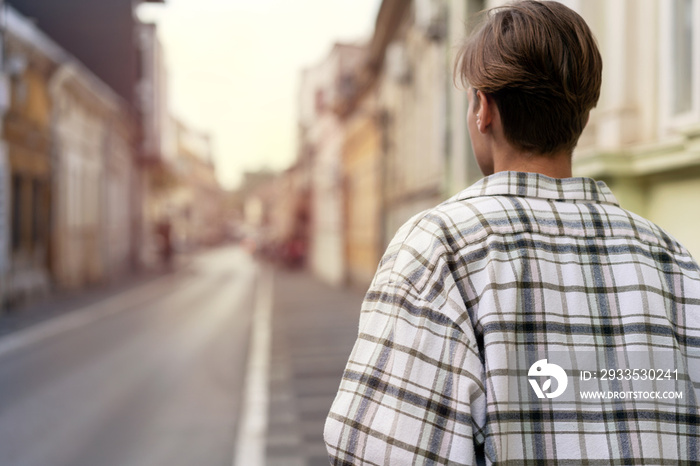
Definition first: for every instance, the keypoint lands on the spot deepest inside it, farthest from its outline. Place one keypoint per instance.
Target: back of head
(540, 63)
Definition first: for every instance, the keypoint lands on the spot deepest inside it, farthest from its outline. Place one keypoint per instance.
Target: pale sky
(234, 68)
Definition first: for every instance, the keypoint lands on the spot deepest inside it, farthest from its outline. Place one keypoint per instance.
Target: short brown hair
(540, 63)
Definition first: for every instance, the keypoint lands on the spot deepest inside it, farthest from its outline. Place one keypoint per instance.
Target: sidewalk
(57, 303)
(314, 327)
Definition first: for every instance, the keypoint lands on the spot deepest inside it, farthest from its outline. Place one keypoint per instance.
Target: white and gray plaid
(518, 262)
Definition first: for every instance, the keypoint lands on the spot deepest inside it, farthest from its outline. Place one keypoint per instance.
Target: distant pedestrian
(165, 240)
(528, 263)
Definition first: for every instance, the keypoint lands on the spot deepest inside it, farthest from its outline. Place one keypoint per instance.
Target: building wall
(93, 175)
(119, 171)
(195, 203)
(158, 145)
(80, 127)
(5, 185)
(323, 136)
(673, 205)
(70, 158)
(412, 90)
(362, 164)
(123, 54)
(328, 229)
(159, 138)
(288, 227)
(27, 134)
(461, 167)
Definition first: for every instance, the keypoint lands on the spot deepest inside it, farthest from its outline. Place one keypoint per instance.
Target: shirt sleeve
(412, 391)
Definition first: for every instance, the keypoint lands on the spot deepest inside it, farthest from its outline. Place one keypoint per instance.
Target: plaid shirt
(518, 263)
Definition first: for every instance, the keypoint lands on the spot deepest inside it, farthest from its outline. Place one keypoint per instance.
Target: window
(320, 101)
(17, 218)
(680, 60)
(39, 212)
(682, 49)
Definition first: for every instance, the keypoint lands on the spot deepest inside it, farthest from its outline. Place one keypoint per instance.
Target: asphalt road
(153, 376)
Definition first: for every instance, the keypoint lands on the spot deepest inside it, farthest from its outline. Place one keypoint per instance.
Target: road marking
(250, 444)
(78, 318)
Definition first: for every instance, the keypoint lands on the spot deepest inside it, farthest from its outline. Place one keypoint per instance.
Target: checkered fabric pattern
(517, 262)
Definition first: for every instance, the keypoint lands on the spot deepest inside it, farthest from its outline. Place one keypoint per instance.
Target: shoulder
(654, 235)
(431, 240)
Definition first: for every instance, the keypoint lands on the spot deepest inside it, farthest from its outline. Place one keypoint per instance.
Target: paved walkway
(314, 327)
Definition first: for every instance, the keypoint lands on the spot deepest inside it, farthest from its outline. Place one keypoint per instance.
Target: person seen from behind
(530, 272)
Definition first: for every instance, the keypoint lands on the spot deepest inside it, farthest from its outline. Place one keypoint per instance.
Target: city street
(152, 376)
(171, 372)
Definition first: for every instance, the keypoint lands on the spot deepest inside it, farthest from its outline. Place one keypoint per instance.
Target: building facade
(405, 146)
(460, 164)
(92, 177)
(196, 202)
(411, 89)
(322, 131)
(426, 155)
(5, 183)
(291, 215)
(31, 59)
(363, 174)
(70, 160)
(110, 41)
(158, 146)
(365, 153)
(119, 246)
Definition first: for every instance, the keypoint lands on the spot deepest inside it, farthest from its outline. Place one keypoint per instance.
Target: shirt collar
(539, 186)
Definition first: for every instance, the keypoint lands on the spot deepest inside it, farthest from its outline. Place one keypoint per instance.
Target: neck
(556, 165)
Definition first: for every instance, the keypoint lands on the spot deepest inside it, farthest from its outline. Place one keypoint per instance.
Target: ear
(484, 111)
